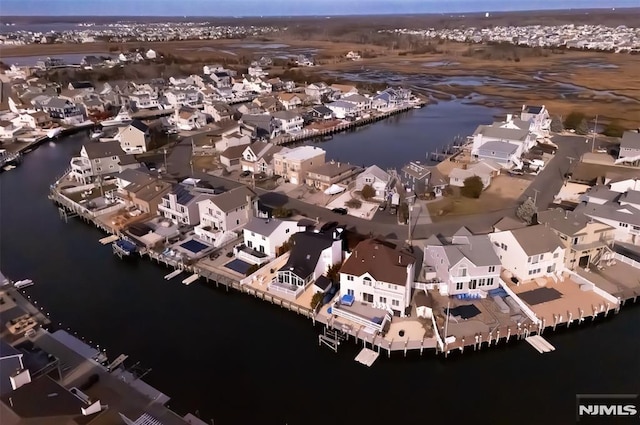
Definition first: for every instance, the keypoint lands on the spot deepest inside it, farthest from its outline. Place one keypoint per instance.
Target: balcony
(250, 255)
(80, 164)
(286, 288)
(362, 314)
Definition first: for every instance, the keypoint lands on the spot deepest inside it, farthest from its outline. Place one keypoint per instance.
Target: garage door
(294, 180)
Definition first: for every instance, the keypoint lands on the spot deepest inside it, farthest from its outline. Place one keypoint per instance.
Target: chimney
(399, 259)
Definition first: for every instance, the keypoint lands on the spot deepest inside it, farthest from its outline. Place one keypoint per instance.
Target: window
(555, 255)
(368, 298)
(114, 158)
(250, 244)
(489, 281)
(383, 300)
(503, 246)
(395, 303)
(99, 168)
(473, 283)
(261, 248)
(624, 225)
(286, 231)
(462, 272)
(350, 278)
(575, 241)
(237, 221)
(366, 281)
(459, 286)
(551, 268)
(350, 292)
(492, 269)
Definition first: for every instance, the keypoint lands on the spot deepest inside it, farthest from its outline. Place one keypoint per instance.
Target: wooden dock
(540, 344)
(367, 357)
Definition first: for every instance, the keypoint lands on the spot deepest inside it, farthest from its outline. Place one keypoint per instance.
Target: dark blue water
(406, 137)
(238, 360)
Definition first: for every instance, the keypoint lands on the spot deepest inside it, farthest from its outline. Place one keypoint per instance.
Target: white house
(341, 109)
(263, 237)
(529, 252)
(379, 275)
(457, 176)
(463, 264)
(144, 99)
(362, 103)
(377, 178)
(258, 157)
(317, 90)
(64, 110)
(290, 100)
(8, 129)
(187, 118)
(538, 117)
(310, 257)
(228, 211)
(509, 132)
(134, 138)
(181, 205)
(99, 159)
(289, 121)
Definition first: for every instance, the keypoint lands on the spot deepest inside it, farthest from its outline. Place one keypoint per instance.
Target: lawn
(206, 163)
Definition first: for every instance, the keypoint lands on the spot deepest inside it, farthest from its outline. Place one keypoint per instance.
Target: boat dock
(367, 357)
(173, 274)
(109, 239)
(191, 279)
(540, 344)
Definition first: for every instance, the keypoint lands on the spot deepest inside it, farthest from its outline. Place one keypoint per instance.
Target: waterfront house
(134, 138)
(538, 118)
(379, 275)
(342, 109)
(225, 137)
(260, 126)
(629, 148)
(391, 98)
(266, 103)
(378, 179)
(321, 112)
(325, 175)
(504, 153)
(344, 89)
(142, 99)
(618, 210)
(63, 110)
(463, 264)
(292, 165)
(317, 91)
(288, 121)
(141, 190)
(290, 100)
(529, 252)
(187, 118)
(250, 109)
(231, 157)
(263, 238)
(415, 179)
(362, 103)
(180, 205)
(258, 157)
(183, 97)
(228, 211)
(437, 181)
(509, 133)
(221, 78)
(219, 111)
(32, 120)
(100, 159)
(584, 238)
(9, 130)
(310, 256)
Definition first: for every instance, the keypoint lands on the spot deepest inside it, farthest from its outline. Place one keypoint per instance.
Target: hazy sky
(284, 7)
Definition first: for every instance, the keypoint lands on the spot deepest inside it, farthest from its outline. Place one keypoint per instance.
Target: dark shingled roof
(103, 149)
(305, 252)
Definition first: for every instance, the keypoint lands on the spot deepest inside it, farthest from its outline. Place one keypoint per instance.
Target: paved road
(548, 182)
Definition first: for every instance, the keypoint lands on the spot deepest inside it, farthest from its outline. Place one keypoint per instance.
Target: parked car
(341, 211)
(245, 173)
(516, 172)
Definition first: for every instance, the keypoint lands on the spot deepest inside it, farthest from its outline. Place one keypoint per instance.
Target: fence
(627, 260)
(520, 303)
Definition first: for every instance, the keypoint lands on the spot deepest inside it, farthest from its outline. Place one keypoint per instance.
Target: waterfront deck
(619, 279)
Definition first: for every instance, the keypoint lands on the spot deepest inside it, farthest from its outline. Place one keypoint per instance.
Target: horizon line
(599, 9)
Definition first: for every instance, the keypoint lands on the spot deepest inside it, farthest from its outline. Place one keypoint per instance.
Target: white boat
(54, 132)
(97, 134)
(8, 167)
(123, 118)
(23, 283)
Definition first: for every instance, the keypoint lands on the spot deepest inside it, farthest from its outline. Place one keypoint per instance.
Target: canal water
(238, 360)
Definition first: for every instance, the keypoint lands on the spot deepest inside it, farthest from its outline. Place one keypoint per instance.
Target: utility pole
(595, 129)
(165, 160)
(535, 196)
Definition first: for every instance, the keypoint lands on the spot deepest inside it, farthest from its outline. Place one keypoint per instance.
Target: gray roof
(103, 149)
(341, 104)
(508, 223)
(286, 115)
(233, 152)
(437, 178)
(357, 98)
(611, 211)
(331, 169)
(416, 170)
(602, 192)
(135, 177)
(536, 239)
(631, 196)
(233, 199)
(263, 226)
(504, 133)
(566, 222)
(58, 103)
(305, 252)
(630, 140)
(377, 172)
(476, 248)
(497, 146)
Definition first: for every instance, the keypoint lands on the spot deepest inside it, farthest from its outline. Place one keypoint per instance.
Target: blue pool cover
(194, 246)
(347, 299)
(238, 266)
(126, 245)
